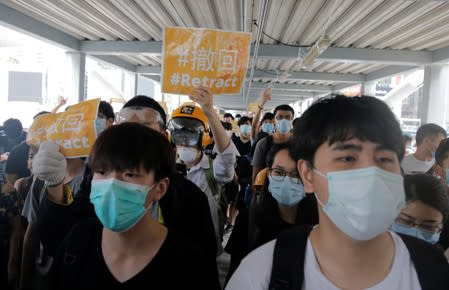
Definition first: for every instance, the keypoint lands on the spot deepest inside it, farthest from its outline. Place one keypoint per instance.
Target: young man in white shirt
(348, 152)
(428, 137)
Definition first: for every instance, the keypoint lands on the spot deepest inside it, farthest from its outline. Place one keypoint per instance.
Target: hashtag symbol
(175, 79)
(183, 56)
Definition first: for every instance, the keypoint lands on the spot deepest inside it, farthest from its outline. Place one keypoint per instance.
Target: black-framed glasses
(429, 228)
(279, 174)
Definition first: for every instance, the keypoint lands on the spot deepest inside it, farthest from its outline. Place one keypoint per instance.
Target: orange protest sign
(253, 107)
(194, 57)
(74, 130)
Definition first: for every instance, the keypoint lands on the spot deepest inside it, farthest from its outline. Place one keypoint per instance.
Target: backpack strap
(213, 185)
(253, 225)
(288, 259)
(430, 264)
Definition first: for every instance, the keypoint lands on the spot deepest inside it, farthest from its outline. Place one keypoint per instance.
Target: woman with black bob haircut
(282, 204)
(128, 248)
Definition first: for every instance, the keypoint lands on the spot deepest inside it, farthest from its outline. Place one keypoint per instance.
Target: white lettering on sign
(207, 60)
(75, 143)
(185, 80)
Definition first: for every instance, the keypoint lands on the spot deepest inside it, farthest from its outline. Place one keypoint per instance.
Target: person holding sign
(188, 128)
(60, 170)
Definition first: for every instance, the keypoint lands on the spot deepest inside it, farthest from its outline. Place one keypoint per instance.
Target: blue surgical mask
(363, 203)
(431, 238)
(245, 129)
(119, 205)
(268, 128)
(100, 125)
(284, 126)
(286, 192)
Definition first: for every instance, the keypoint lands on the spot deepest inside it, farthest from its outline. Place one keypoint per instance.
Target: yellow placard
(74, 130)
(253, 107)
(194, 57)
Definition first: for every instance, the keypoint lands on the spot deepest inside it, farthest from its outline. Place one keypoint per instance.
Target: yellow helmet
(260, 178)
(189, 125)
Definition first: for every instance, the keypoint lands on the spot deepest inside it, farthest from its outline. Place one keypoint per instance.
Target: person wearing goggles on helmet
(189, 127)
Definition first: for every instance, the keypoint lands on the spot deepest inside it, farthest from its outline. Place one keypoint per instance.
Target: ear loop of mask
(323, 175)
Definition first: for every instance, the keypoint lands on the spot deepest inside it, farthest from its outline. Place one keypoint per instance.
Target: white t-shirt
(255, 270)
(412, 165)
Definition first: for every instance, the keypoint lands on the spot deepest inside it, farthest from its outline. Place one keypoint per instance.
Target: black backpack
(431, 266)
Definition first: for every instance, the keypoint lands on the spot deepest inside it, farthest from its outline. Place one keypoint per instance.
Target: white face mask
(229, 133)
(363, 203)
(187, 154)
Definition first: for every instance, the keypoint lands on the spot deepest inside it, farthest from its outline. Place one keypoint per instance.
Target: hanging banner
(74, 130)
(194, 57)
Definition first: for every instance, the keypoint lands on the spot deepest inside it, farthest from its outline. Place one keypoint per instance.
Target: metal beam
(368, 55)
(118, 62)
(294, 87)
(314, 76)
(388, 71)
(18, 21)
(341, 87)
(332, 54)
(105, 47)
(441, 55)
(293, 76)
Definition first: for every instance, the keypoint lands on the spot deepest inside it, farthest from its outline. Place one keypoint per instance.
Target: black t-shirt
(243, 148)
(184, 208)
(177, 265)
(18, 161)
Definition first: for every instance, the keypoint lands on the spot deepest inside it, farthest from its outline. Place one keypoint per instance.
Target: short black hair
(339, 118)
(243, 120)
(13, 128)
(147, 102)
(442, 152)
(226, 125)
(267, 116)
(284, 107)
(150, 150)
(237, 116)
(228, 115)
(274, 150)
(429, 130)
(106, 109)
(40, 114)
(429, 190)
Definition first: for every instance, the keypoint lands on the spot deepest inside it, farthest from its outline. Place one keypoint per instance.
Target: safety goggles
(143, 115)
(186, 137)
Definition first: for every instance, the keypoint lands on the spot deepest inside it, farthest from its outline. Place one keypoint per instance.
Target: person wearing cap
(189, 127)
